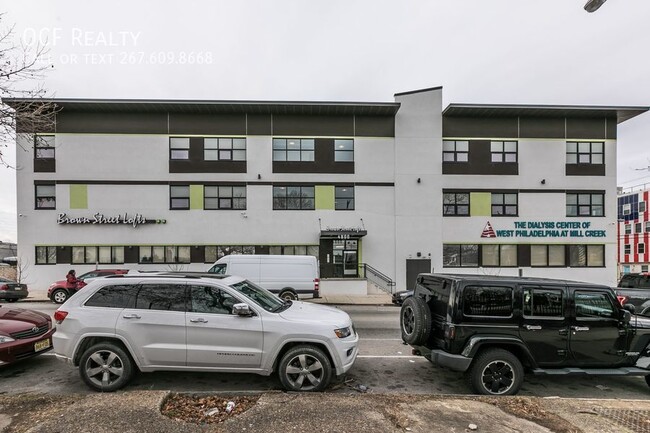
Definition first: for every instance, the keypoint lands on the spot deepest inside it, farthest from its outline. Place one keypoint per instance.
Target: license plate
(41, 345)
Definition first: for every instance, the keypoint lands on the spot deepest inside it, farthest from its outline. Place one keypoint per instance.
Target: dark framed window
(487, 301)
(627, 249)
(110, 254)
(498, 255)
(44, 147)
(288, 250)
(585, 152)
(594, 305)
(638, 227)
(179, 148)
(640, 249)
(224, 197)
(541, 302)
(547, 256)
(642, 206)
(455, 151)
(647, 226)
(457, 256)
(503, 151)
(455, 204)
(293, 198)
(344, 197)
(45, 255)
(343, 150)
(161, 297)
(504, 204)
(585, 204)
(85, 255)
(293, 149)
(179, 197)
(116, 296)
(581, 256)
(628, 229)
(171, 254)
(225, 250)
(45, 196)
(224, 149)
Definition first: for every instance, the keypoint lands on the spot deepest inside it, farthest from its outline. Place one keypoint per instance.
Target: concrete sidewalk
(140, 412)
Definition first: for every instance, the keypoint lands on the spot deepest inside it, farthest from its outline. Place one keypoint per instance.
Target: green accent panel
(196, 196)
(324, 197)
(480, 204)
(78, 196)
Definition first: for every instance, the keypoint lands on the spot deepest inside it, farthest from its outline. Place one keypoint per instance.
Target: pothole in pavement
(206, 409)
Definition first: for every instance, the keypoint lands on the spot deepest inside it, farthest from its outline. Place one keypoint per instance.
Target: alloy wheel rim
(289, 297)
(304, 372)
(409, 320)
(498, 377)
(60, 296)
(104, 368)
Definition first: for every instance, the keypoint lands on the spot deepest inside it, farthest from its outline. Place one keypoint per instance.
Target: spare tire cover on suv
(415, 321)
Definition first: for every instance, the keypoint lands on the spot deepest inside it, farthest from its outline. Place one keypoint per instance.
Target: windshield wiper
(285, 304)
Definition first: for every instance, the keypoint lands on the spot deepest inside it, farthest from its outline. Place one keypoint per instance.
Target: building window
(44, 147)
(547, 256)
(293, 198)
(581, 152)
(111, 254)
(585, 204)
(628, 229)
(455, 151)
(456, 256)
(627, 249)
(293, 149)
(84, 255)
(309, 250)
(586, 256)
(179, 197)
(224, 197)
(165, 254)
(644, 268)
(647, 226)
(504, 204)
(45, 255)
(224, 149)
(642, 206)
(504, 151)
(627, 209)
(455, 204)
(344, 198)
(343, 150)
(179, 148)
(638, 228)
(640, 249)
(499, 255)
(45, 196)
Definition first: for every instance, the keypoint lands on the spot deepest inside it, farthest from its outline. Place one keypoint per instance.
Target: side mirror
(626, 316)
(629, 307)
(242, 310)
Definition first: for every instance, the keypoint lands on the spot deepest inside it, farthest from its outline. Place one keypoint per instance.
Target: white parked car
(121, 323)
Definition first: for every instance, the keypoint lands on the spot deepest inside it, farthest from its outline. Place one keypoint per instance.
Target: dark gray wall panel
(479, 127)
(112, 123)
(585, 128)
(541, 127)
(259, 124)
(207, 124)
(290, 125)
(374, 126)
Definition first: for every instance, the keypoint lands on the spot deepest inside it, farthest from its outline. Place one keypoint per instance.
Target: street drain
(636, 420)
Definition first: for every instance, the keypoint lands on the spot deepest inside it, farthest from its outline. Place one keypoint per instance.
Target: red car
(58, 293)
(23, 334)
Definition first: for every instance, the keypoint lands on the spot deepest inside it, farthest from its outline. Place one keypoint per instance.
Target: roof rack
(171, 274)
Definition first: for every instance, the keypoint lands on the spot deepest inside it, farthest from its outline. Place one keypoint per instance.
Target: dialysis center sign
(545, 229)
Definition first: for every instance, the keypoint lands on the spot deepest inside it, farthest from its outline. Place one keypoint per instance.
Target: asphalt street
(384, 365)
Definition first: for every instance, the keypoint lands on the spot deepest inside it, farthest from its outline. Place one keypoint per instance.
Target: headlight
(4, 339)
(343, 332)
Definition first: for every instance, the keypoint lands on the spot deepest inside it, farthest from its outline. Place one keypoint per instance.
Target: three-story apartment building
(403, 187)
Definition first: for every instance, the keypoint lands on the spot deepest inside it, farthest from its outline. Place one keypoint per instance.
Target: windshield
(218, 269)
(260, 296)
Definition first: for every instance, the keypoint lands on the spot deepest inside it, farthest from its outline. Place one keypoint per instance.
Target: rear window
(635, 281)
(487, 301)
(113, 297)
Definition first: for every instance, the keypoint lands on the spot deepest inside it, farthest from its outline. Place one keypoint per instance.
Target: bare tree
(22, 270)
(24, 107)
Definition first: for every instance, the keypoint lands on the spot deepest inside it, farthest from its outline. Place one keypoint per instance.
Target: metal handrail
(385, 279)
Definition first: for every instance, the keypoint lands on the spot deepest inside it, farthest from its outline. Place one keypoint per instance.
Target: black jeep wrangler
(492, 328)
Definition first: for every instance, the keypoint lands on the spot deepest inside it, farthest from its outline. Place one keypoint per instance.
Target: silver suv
(189, 323)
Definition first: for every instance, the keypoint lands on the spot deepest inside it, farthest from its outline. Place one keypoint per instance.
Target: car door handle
(131, 316)
(533, 327)
(580, 328)
(199, 320)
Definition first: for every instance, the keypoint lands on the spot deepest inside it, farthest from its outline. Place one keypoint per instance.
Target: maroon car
(23, 334)
(59, 293)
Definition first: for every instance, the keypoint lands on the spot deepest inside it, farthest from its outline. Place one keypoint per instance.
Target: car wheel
(106, 367)
(415, 321)
(305, 368)
(647, 380)
(59, 296)
(12, 300)
(496, 372)
(288, 295)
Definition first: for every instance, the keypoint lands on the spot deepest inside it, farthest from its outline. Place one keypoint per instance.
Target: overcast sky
(480, 51)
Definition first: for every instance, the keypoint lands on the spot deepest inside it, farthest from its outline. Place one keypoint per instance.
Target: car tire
(12, 300)
(288, 295)
(647, 379)
(496, 372)
(106, 367)
(305, 368)
(59, 296)
(415, 321)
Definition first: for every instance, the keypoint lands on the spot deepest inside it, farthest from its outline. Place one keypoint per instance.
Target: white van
(288, 276)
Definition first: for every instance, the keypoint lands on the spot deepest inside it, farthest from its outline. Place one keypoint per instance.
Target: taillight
(316, 287)
(622, 299)
(450, 332)
(4, 287)
(60, 316)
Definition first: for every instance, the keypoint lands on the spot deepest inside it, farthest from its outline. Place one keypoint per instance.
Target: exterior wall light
(593, 5)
